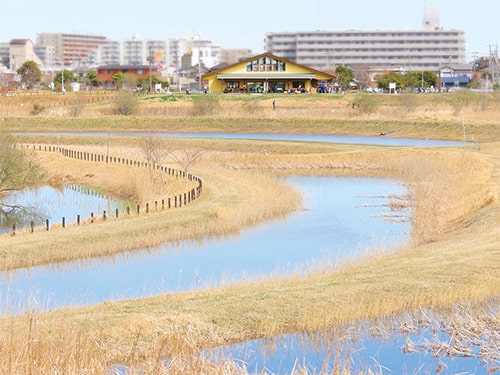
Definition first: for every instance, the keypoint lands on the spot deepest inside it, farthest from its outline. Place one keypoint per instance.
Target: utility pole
(199, 69)
(494, 65)
(150, 60)
(63, 90)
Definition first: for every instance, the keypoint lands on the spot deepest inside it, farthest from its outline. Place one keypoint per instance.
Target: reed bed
(454, 254)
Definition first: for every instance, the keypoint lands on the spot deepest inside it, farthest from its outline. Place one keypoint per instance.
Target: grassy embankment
(454, 254)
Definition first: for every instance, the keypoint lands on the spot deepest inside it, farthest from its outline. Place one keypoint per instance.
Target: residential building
(161, 53)
(106, 54)
(267, 73)
(455, 76)
(402, 50)
(394, 49)
(21, 50)
(140, 72)
(48, 56)
(71, 49)
(232, 56)
(201, 52)
(4, 55)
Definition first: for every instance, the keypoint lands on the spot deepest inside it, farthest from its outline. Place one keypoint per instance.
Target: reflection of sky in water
(461, 341)
(68, 202)
(380, 355)
(341, 139)
(341, 219)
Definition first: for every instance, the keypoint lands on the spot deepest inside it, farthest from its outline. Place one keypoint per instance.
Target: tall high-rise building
(425, 49)
(71, 48)
(162, 53)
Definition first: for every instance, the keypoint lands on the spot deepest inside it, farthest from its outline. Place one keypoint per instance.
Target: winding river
(344, 217)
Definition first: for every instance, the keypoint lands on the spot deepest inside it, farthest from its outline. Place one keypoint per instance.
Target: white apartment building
(403, 50)
(163, 53)
(394, 49)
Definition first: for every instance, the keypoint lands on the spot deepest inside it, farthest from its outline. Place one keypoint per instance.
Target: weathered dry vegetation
(453, 255)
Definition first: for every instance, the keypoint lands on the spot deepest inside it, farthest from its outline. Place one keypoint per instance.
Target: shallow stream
(343, 217)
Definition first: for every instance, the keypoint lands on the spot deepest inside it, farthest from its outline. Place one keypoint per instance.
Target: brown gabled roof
(267, 54)
(19, 42)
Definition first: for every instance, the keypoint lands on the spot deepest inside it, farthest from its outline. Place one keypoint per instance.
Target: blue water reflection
(461, 340)
(382, 355)
(54, 204)
(344, 217)
(326, 138)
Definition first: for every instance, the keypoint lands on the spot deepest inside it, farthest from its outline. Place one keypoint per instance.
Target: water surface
(340, 139)
(55, 204)
(343, 217)
(461, 340)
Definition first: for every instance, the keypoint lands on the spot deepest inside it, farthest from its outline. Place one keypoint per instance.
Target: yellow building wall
(215, 85)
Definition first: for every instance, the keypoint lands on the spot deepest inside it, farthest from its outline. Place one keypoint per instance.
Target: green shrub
(126, 104)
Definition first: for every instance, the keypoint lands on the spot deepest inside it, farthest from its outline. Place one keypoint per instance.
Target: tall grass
(454, 257)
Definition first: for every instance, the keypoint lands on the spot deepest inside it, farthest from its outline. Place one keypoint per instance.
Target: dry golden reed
(454, 255)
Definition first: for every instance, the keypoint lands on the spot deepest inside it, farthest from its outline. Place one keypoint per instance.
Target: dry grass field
(453, 255)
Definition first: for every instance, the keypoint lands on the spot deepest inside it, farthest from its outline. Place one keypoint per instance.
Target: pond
(344, 217)
(462, 340)
(52, 204)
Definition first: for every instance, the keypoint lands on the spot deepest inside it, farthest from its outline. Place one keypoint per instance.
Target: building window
(255, 87)
(266, 64)
(298, 85)
(277, 86)
(139, 71)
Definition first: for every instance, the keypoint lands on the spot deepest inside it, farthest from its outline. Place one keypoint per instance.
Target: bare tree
(155, 150)
(18, 170)
(187, 157)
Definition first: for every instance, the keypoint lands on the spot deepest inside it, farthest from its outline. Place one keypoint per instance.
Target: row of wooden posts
(168, 203)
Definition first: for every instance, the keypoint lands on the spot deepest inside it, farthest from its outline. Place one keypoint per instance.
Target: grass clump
(205, 105)
(125, 104)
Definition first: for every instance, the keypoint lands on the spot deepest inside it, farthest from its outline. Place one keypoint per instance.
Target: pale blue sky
(243, 24)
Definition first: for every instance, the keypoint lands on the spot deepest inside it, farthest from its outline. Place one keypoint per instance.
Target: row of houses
(266, 73)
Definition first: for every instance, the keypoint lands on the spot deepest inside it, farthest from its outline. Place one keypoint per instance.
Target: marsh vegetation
(453, 256)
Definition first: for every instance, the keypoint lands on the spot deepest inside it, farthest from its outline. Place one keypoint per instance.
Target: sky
(243, 24)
